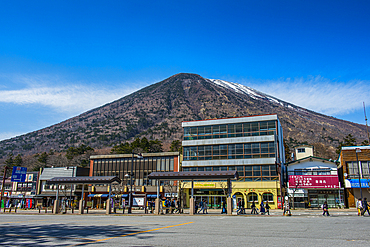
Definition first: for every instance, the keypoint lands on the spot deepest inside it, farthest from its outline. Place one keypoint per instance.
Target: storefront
(311, 191)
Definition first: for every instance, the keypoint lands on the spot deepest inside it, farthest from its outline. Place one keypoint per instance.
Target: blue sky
(61, 58)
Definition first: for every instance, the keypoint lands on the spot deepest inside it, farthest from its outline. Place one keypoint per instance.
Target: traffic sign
(19, 174)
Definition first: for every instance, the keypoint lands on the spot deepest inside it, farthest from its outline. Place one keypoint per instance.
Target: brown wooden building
(354, 173)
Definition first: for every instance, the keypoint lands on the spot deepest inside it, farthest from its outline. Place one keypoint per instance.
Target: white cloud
(68, 98)
(319, 94)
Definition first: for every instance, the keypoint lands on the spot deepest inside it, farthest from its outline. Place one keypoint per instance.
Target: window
(301, 150)
(352, 169)
(268, 197)
(230, 130)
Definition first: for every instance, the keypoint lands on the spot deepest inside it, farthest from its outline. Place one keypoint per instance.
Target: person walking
(267, 208)
(201, 205)
(365, 207)
(359, 206)
(262, 209)
(325, 209)
(205, 206)
(239, 207)
(254, 210)
(243, 206)
(223, 211)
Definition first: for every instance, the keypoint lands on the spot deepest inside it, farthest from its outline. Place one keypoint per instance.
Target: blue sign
(355, 184)
(19, 174)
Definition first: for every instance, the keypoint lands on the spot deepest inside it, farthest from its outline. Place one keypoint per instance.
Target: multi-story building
(354, 170)
(251, 145)
(120, 165)
(313, 180)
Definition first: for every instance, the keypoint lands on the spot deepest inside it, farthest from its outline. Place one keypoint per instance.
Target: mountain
(158, 110)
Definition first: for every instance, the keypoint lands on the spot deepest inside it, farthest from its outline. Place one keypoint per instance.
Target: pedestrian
(196, 207)
(267, 208)
(365, 207)
(325, 209)
(359, 206)
(223, 207)
(173, 205)
(243, 206)
(205, 206)
(254, 210)
(239, 211)
(262, 209)
(201, 206)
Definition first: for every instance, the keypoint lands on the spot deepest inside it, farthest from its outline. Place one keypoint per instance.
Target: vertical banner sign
(19, 174)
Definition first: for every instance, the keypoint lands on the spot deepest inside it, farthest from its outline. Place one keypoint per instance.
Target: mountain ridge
(157, 111)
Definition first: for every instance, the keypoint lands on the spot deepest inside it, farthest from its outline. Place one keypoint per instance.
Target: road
(183, 230)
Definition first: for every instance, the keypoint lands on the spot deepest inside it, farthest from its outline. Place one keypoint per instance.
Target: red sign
(313, 181)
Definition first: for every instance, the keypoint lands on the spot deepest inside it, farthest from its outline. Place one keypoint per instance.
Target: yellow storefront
(215, 192)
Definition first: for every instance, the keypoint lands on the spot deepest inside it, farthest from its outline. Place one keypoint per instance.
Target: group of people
(264, 209)
(172, 206)
(362, 207)
(202, 206)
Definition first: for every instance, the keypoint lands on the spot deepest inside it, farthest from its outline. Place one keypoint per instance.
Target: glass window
(223, 129)
(201, 130)
(208, 130)
(238, 128)
(208, 150)
(216, 150)
(265, 171)
(263, 126)
(256, 171)
(268, 197)
(248, 171)
(208, 168)
(201, 150)
(272, 170)
(223, 168)
(216, 130)
(216, 168)
(231, 128)
(247, 148)
(365, 168)
(254, 127)
(231, 151)
(223, 150)
(200, 169)
(247, 127)
(271, 125)
(255, 148)
(264, 148)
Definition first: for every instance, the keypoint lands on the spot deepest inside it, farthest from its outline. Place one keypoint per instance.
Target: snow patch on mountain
(254, 93)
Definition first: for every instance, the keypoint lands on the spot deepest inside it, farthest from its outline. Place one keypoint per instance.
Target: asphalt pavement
(303, 228)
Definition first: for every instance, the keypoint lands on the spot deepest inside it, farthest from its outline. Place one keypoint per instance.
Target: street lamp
(139, 156)
(358, 150)
(70, 197)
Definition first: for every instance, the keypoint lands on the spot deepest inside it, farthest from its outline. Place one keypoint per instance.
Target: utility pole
(3, 186)
(358, 150)
(367, 129)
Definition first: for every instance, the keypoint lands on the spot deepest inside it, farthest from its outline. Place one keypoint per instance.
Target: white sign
(138, 201)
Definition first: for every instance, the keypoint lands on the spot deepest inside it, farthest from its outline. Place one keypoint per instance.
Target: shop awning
(85, 180)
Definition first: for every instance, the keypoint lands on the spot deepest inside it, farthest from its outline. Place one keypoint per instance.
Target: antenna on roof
(367, 130)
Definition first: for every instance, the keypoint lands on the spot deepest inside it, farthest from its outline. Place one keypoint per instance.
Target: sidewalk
(211, 212)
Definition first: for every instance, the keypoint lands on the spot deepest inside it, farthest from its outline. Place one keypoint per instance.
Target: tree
(176, 146)
(365, 143)
(348, 141)
(155, 146)
(287, 151)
